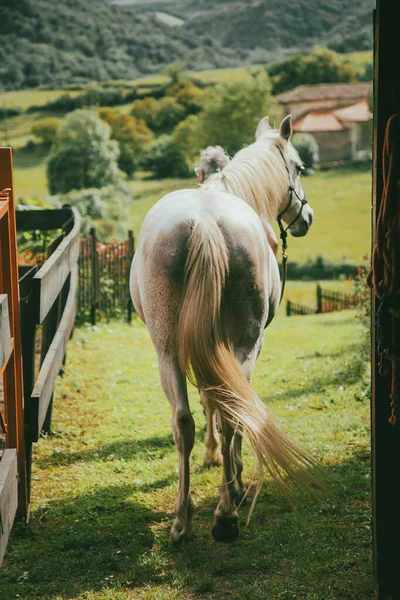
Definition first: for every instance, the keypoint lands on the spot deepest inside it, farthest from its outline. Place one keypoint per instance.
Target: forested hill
(48, 42)
(339, 24)
(271, 25)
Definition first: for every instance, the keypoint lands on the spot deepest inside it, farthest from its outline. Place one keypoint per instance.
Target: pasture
(341, 199)
(105, 483)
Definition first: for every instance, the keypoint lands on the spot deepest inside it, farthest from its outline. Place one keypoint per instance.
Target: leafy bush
(164, 158)
(46, 130)
(132, 135)
(231, 112)
(307, 147)
(160, 115)
(321, 66)
(83, 156)
(105, 208)
(186, 135)
(146, 110)
(187, 94)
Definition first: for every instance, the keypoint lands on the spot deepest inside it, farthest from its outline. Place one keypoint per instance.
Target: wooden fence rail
(45, 300)
(48, 299)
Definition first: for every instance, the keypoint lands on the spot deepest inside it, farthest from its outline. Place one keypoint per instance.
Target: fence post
(28, 308)
(319, 299)
(288, 308)
(93, 276)
(131, 244)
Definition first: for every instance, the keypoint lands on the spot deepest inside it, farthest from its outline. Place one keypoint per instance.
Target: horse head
(293, 208)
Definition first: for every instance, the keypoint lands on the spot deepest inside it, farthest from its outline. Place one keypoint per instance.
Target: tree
(307, 147)
(146, 109)
(321, 66)
(165, 159)
(188, 94)
(46, 130)
(231, 112)
(187, 137)
(174, 71)
(160, 115)
(83, 156)
(132, 135)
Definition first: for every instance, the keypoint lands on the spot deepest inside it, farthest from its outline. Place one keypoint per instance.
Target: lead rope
(283, 236)
(384, 276)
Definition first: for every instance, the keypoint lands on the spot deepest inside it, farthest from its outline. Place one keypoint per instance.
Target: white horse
(206, 283)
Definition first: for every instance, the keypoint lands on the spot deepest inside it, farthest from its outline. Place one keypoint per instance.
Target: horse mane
(257, 175)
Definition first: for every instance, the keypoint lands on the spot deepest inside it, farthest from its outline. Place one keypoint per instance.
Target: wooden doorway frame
(385, 437)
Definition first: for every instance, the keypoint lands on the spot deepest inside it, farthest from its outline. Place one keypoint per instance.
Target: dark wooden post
(385, 437)
(131, 243)
(28, 310)
(288, 308)
(94, 278)
(319, 299)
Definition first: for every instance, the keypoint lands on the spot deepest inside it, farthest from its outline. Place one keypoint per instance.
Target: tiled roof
(332, 120)
(356, 112)
(318, 120)
(326, 91)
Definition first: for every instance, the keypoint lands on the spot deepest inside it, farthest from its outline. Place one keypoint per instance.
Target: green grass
(341, 199)
(105, 483)
(24, 99)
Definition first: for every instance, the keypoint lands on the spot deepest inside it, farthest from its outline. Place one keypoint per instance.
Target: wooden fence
(13, 492)
(104, 278)
(326, 301)
(48, 299)
(47, 305)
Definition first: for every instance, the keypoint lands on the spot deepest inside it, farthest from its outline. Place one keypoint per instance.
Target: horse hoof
(212, 462)
(177, 538)
(241, 500)
(225, 530)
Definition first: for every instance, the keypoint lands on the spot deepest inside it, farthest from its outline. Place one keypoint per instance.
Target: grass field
(341, 199)
(105, 483)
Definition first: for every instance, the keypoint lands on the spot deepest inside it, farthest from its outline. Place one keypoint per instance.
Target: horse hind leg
(225, 527)
(174, 385)
(212, 454)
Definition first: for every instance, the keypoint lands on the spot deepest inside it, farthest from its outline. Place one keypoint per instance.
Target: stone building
(337, 115)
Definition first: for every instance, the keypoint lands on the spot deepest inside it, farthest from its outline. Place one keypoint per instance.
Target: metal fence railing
(326, 301)
(104, 279)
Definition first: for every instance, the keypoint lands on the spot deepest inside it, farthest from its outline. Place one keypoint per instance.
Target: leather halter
(283, 230)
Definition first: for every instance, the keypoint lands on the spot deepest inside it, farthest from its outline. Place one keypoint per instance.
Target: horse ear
(286, 129)
(262, 127)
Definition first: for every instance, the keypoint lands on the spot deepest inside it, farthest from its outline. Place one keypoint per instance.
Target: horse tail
(207, 358)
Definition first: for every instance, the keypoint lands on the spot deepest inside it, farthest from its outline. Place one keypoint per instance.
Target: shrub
(164, 158)
(307, 147)
(83, 156)
(46, 130)
(160, 115)
(132, 135)
(187, 94)
(105, 208)
(186, 136)
(170, 113)
(147, 110)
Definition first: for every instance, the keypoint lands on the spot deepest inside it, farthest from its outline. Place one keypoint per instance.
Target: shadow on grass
(126, 449)
(107, 541)
(351, 373)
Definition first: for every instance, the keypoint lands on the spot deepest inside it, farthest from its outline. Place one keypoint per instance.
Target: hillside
(48, 43)
(55, 44)
(271, 25)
